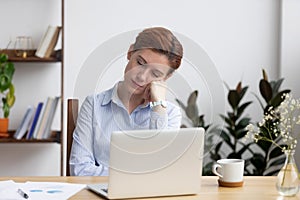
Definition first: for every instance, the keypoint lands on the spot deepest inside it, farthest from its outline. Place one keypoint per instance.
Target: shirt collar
(111, 95)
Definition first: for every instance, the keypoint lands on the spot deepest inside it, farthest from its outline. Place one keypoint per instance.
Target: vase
(287, 179)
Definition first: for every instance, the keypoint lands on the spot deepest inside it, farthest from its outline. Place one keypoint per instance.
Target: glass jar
(287, 179)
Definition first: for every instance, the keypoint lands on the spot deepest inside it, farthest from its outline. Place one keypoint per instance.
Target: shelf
(31, 58)
(55, 137)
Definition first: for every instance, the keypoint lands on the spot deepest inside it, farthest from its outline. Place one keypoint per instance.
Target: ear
(129, 53)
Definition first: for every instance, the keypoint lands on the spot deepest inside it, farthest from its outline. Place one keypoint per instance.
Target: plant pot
(4, 125)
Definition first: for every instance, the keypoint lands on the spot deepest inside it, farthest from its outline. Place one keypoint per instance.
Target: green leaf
(243, 92)
(258, 161)
(264, 145)
(241, 133)
(277, 162)
(5, 82)
(276, 101)
(226, 139)
(206, 171)
(272, 173)
(192, 98)
(241, 108)
(233, 99)
(243, 123)
(243, 149)
(277, 151)
(191, 112)
(260, 103)
(218, 146)
(276, 85)
(234, 155)
(265, 90)
(3, 58)
(180, 104)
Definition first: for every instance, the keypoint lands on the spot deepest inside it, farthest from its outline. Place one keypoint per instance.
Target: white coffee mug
(229, 170)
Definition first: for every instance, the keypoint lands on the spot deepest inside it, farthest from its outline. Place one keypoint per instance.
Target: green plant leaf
(206, 171)
(5, 82)
(258, 161)
(218, 146)
(264, 145)
(3, 58)
(276, 85)
(180, 104)
(227, 120)
(275, 153)
(226, 139)
(192, 112)
(243, 123)
(272, 173)
(241, 108)
(277, 162)
(193, 97)
(234, 155)
(241, 133)
(260, 103)
(243, 92)
(233, 99)
(265, 90)
(278, 99)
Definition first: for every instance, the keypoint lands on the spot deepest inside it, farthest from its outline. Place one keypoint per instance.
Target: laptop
(151, 163)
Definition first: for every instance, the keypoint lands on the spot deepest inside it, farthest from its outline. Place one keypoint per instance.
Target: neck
(130, 101)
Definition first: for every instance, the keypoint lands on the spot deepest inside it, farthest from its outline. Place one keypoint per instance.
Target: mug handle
(214, 169)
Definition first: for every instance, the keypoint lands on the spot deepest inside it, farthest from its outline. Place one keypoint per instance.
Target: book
(44, 118)
(47, 131)
(23, 127)
(48, 42)
(36, 129)
(34, 121)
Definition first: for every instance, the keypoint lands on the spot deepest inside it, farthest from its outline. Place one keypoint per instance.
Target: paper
(39, 190)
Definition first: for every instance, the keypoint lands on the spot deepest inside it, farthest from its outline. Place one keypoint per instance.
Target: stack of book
(37, 122)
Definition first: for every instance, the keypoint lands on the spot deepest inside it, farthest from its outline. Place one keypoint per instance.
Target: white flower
(280, 122)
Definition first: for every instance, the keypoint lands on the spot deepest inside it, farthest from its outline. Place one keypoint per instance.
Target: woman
(137, 102)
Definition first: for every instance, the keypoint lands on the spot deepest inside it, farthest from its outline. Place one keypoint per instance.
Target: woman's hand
(155, 91)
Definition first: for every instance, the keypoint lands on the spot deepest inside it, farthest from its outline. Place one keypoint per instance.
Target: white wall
(34, 82)
(290, 50)
(240, 36)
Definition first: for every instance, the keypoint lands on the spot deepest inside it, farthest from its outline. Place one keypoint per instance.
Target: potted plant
(7, 90)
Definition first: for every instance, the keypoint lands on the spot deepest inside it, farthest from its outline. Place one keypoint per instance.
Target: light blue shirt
(99, 116)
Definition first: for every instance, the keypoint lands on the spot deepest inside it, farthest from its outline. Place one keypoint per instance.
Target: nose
(142, 76)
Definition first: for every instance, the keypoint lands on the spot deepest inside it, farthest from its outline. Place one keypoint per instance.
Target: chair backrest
(71, 124)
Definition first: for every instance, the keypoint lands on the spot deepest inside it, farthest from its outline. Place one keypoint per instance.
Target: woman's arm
(82, 160)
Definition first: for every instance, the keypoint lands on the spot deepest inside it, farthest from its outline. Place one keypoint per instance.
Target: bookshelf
(57, 59)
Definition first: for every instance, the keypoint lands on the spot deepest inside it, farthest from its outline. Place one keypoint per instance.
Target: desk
(256, 188)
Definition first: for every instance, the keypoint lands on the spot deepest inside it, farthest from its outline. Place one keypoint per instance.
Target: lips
(137, 85)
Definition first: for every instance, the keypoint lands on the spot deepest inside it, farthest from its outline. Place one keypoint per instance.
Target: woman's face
(145, 66)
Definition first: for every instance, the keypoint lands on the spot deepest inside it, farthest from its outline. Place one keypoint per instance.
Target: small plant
(196, 120)
(235, 128)
(191, 111)
(7, 90)
(270, 161)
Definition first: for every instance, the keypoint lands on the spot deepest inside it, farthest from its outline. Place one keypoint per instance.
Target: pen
(23, 194)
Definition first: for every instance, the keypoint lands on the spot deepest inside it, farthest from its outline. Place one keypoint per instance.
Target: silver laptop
(149, 163)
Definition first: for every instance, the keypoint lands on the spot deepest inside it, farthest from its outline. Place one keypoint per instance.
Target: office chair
(71, 124)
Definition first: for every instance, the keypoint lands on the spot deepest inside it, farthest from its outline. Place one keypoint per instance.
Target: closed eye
(157, 73)
(141, 61)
